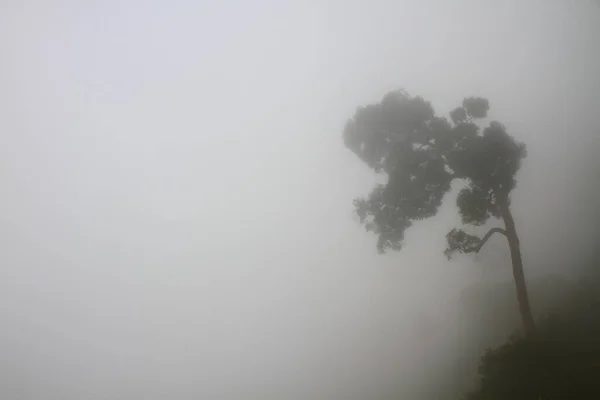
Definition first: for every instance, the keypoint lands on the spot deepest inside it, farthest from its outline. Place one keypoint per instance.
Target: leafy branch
(459, 240)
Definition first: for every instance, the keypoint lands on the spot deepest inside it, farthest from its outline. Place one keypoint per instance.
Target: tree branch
(459, 240)
(484, 240)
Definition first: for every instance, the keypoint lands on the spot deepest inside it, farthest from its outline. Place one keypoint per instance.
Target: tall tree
(421, 154)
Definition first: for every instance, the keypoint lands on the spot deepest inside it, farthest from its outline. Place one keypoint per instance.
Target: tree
(421, 154)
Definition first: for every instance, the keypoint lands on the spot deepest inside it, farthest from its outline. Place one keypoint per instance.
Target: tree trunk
(517, 267)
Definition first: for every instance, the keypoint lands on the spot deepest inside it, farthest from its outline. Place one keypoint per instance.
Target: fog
(177, 215)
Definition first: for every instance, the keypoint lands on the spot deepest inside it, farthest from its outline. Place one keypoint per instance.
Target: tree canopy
(421, 154)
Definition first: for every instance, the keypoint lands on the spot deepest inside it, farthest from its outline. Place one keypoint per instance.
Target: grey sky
(177, 218)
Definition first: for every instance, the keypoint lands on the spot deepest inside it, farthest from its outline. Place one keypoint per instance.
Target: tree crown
(421, 154)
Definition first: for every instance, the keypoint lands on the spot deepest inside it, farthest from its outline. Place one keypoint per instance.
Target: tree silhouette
(421, 154)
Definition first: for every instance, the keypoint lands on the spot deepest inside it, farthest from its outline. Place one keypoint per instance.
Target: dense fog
(177, 217)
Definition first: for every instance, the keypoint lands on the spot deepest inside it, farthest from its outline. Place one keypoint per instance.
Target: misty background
(177, 215)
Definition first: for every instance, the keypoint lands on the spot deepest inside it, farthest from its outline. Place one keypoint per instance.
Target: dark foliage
(421, 154)
(562, 361)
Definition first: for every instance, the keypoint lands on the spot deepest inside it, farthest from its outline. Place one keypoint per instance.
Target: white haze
(177, 217)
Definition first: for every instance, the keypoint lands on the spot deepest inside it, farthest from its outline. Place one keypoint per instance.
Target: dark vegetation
(421, 155)
(561, 361)
(492, 359)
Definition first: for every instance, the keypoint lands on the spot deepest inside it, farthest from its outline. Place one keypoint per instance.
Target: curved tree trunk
(517, 267)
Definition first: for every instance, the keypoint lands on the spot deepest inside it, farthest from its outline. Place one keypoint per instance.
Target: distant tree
(421, 154)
